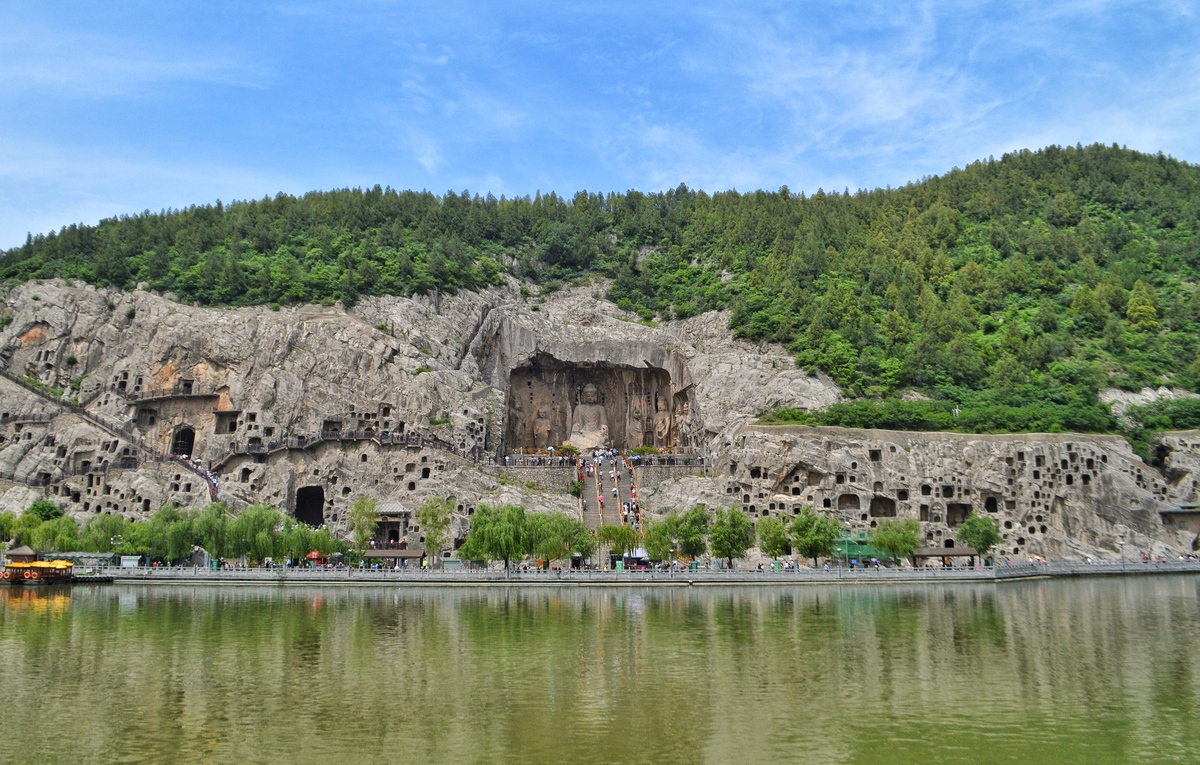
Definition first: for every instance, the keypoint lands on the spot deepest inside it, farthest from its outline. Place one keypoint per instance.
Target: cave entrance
(640, 405)
(310, 505)
(883, 507)
(956, 513)
(184, 441)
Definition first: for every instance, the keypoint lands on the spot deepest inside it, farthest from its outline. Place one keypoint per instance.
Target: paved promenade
(366, 578)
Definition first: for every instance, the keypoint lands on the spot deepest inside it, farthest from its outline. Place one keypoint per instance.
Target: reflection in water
(1089, 671)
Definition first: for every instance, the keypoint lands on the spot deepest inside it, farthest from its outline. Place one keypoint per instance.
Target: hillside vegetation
(1007, 292)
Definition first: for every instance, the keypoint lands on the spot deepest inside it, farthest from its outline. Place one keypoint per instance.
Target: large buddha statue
(541, 430)
(589, 422)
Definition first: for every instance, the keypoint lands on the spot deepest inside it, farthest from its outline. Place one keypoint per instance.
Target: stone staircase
(102, 423)
(591, 508)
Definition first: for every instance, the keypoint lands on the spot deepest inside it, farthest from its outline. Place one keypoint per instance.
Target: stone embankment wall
(549, 477)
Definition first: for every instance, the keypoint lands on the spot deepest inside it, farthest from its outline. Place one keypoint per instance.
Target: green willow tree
(558, 536)
(620, 539)
(813, 536)
(980, 533)
(659, 541)
(731, 534)
(435, 517)
(363, 520)
(497, 533)
(899, 538)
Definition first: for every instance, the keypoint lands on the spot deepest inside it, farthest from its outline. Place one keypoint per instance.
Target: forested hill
(1013, 288)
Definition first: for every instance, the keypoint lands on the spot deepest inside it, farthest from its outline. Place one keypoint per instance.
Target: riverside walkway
(709, 577)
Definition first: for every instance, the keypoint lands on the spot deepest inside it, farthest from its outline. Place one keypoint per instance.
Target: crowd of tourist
(547, 460)
(197, 466)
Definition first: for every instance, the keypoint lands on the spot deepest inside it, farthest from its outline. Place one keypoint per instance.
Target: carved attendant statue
(636, 424)
(589, 422)
(682, 421)
(662, 423)
(541, 430)
(516, 421)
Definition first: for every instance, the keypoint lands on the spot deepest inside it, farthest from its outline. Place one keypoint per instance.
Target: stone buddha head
(590, 395)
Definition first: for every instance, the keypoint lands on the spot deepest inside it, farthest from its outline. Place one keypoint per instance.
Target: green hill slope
(1010, 290)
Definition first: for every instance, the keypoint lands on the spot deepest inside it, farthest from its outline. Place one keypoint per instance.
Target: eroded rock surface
(361, 402)
(400, 399)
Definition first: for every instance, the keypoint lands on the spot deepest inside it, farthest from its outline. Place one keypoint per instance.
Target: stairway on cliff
(100, 422)
(591, 508)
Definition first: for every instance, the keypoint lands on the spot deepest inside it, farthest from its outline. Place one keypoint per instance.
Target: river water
(1087, 671)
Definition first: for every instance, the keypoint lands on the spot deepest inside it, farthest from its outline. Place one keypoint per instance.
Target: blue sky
(109, 108)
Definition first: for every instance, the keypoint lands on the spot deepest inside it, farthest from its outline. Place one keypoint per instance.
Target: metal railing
(385, 438)
(416, 575)
(543, 461)
(121, 431)
(179, 389)
(26, 419)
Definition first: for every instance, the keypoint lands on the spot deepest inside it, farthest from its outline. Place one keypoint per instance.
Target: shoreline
(361, 578)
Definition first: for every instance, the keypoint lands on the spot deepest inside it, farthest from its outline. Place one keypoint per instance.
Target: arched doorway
(184, 441)
(310, 505)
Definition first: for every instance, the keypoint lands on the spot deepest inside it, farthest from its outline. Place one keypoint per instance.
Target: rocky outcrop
(1054, 495)
(1121, 400)
(309, 408)
(366, 401)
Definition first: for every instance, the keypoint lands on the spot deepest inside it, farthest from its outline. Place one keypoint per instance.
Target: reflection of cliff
(549, 399)
(637, 675)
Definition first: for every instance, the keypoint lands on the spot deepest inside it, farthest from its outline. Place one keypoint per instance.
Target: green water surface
(1090, 671)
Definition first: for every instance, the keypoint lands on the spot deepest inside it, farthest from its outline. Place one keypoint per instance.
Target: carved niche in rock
(593, 406)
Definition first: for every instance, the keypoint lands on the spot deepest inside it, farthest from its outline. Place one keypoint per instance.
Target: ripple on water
(1094, 671)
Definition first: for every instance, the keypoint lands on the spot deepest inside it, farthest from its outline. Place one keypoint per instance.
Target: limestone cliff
(309, 408)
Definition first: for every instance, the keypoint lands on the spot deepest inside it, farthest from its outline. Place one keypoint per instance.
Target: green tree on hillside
(1140, 310)
(45, 510)
(1011, 289)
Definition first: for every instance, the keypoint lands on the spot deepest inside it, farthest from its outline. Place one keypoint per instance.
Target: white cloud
(425, 151)
(45, 186)
(97, 65)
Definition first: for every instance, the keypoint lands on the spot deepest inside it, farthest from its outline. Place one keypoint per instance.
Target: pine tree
(1141, 312)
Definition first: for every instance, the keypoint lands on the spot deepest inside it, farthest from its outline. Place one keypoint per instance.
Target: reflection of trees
(1051, 670)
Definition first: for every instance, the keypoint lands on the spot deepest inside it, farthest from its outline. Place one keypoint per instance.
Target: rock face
(1053, 495)
(401, 399)
(1121, 400)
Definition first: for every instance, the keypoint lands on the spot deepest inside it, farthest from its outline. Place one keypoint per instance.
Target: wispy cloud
(111, 108)
(96, 65)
